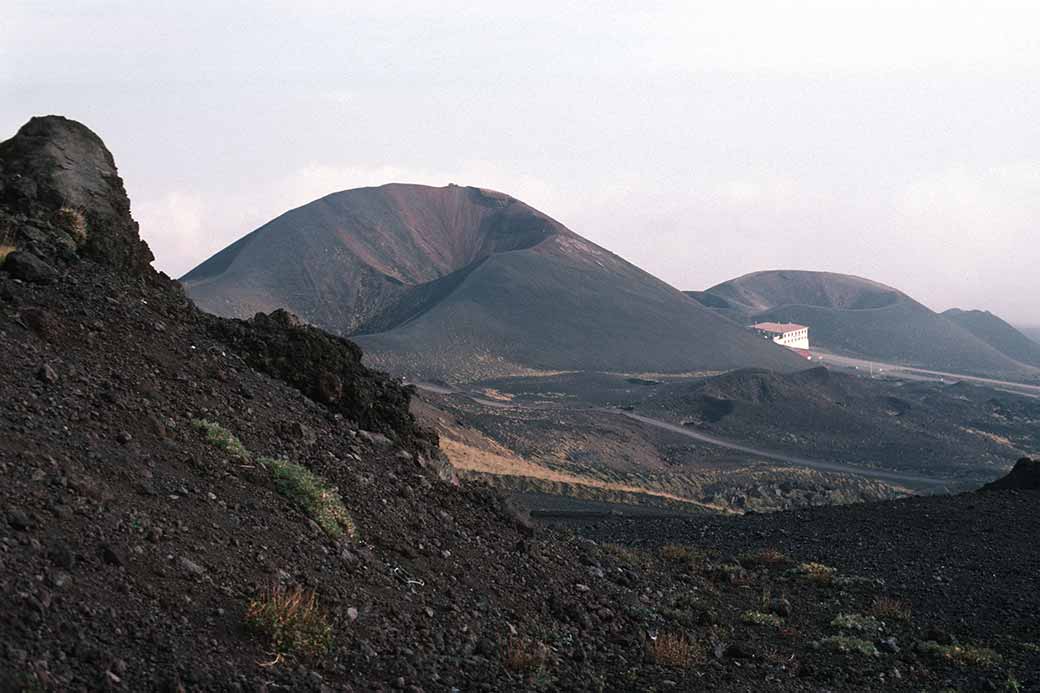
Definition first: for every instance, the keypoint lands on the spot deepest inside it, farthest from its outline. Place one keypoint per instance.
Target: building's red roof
(778, 327)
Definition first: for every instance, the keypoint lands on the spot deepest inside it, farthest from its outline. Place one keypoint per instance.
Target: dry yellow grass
(523, 654)
(292, 620)
(6, 250)
(890, 609)
(999, 440)
(675, 650)
(467, 458)
(73, 221)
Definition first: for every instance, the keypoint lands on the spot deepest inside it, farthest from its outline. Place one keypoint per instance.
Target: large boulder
(60, 190)
(1024, 475)
(327, 369)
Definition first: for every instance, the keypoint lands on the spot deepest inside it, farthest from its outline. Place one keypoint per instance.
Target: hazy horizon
(891, 140)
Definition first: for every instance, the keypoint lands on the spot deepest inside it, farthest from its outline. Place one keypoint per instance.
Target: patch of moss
(760, 618)
(857, 622)
(313, 495)
(966, 655)
(844, 643)
(220, 437)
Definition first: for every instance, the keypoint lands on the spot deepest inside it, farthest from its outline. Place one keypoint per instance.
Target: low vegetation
(312, 495)
(760, 618)
(965, 655)
(292, 620)
(524, 655)
(817, 573)
(765, 558)
(866, 624)
(890, 609)
(220, 437)
(693, 559)
(675, 650)
(73, 222)
(844, 643)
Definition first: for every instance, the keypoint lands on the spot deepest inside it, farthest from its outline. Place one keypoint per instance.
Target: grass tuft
(843, 643)
(220, 437)
(73, 222)
(760, 618)
(890, 609)
(675, 650)
(313, 495)
(817, 573)
(966, 655)
(524, 654)
(857, 622)
(765, 558)
(693, 559)
(292, 620)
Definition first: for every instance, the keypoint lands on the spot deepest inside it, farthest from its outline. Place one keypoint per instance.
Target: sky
(899, 141)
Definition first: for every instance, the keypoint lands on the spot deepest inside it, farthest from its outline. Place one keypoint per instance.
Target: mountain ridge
(860, 317)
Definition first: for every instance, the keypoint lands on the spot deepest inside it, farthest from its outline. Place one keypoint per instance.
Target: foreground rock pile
(198, 504)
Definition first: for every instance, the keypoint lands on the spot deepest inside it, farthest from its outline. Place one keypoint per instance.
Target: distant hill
(463, 283)
(960, 430)
(998, 334)
(858, 317)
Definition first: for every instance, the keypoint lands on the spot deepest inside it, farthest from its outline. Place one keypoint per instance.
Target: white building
(787, 334)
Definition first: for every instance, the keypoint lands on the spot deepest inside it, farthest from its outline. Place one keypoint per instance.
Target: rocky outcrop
(62, 196)
(327, 369)
(1025, 475)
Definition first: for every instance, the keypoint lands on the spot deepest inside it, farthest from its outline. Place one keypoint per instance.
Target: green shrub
(292, 620)
(692, 559)
(967, 655)
(220, 437)
(313, 495)
(843, 643)
(760, 618)
(764, 558)
(817, 573)
(857, 622)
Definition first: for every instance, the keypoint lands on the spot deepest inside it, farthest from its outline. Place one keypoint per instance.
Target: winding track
(916, 481)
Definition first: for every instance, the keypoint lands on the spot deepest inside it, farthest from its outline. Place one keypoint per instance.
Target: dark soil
(965, 564)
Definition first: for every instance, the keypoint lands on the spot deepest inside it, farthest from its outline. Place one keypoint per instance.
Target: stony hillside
(463, 283)
(858, 317)
(197, 504)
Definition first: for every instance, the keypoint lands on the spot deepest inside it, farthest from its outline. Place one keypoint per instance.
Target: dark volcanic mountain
(997, 333)
(461, 283)
(858, 317)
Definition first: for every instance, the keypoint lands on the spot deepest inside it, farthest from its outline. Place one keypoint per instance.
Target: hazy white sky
(700, 140)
